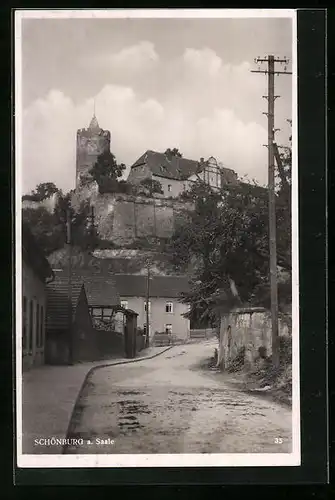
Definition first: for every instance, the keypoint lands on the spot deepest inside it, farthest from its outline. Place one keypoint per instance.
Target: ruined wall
(249, 329)
(88, 192)
(122, 218)
(49, 203)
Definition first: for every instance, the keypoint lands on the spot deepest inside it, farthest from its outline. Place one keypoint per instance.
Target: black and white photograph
(157, 282)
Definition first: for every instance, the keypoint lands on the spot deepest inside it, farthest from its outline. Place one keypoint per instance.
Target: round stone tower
(91, 142)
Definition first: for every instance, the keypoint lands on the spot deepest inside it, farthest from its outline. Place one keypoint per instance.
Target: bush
(237, 363)
(110, 185)
(285, 350)
(31, 197)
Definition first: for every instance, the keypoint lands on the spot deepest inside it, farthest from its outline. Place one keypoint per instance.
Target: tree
(106, 167)
(46, 190)
(42, 191)
(283, 206)
(227, 237)
(50, 229)
(83, 234)
(48, 233)
(152, 186)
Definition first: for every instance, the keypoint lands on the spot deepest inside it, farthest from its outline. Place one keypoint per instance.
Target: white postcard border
(159, 460)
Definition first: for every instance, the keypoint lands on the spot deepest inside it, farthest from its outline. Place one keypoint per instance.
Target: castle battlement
(88, 132)
(91, 142)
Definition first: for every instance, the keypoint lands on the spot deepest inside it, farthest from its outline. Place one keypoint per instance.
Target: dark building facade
(70, 335)
(36, 272)
(91, 142)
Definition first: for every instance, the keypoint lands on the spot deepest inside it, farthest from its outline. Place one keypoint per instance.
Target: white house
(166, 312)
(176, 174)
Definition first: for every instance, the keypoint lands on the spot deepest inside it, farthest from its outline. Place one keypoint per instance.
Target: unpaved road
(169, 405)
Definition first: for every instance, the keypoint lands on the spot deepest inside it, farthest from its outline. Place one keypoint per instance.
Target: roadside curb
(89, 373)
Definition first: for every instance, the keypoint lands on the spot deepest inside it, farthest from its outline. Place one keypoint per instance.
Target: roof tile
(169, 167)
(99, 286)
(131, 285)
(58, 303)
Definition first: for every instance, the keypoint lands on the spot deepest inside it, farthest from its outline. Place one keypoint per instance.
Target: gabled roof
(58, 302)
(170, 167)
(131, 285)
(99, 286)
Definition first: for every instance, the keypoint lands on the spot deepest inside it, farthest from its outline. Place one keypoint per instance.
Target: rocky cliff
(122, 261)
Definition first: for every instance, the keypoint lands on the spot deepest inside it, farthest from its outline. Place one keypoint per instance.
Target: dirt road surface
(170, 405)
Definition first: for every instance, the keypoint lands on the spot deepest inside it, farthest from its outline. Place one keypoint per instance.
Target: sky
(157, 84)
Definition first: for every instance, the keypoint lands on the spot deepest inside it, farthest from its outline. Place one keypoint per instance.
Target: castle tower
(91, 142)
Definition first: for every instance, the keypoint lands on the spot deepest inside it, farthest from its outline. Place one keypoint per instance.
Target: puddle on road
(128, 415)
(129, 393)
(133, 407)
(179, 393)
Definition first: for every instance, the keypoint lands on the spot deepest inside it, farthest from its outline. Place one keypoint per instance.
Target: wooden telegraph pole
(69, 243)
(92, 228)
(271, 97)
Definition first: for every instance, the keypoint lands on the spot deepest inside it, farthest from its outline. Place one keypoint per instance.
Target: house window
(145, 306)
(107, 313)
(31, 325)
(168, 329)
(169, 307)
(97, 312)
(24, 323)
(41, 326)
(124, 304)
(169, 188)
(37, 326)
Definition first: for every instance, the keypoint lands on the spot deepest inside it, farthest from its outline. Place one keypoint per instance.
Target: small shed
(114, 328)
(70, 335)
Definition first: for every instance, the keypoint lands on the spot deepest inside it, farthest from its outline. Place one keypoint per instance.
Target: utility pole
(147, 306)
(92, 228)
(69, 243)
(271, 97)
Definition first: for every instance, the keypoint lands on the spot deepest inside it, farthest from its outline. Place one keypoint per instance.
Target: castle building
(177, 174)
(91, 142)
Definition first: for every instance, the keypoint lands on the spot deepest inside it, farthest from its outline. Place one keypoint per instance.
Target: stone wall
(123, 218)
(247, 330)
(48, 203)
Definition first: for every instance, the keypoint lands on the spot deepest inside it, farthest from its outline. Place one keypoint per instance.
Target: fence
(203, 333)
